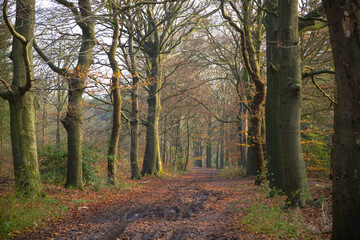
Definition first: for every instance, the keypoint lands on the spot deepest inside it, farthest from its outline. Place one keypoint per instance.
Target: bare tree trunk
(296, 185)
(187, 146)
(272, 105)
(58, 112)
(152, 159)
(222, 155)
(116, 98)
(243, 129)
(208, 145)
(343, 19)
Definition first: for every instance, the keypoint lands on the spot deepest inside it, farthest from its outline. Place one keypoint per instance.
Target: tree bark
(74, 120)
(243, 129)
(343, 19)
(23, 107)
(134, 119)
(222, 152)
(116, 98)
(296, 185)
(209, 145)
(272, 105)
(152, 159)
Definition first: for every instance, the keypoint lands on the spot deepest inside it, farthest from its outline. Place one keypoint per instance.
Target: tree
(22, 101)
(85, 19)
(116, 99)
(272, 107)
(167, 25)
(343, 19)
(250, 53)
(296, 185)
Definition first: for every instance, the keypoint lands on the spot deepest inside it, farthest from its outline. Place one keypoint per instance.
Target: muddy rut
(193, 206)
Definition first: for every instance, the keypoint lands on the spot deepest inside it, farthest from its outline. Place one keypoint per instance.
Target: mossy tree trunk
(344, 19)
(251, 62)
(22, 102)
(243, 130)
(296, 184)
(152, 159)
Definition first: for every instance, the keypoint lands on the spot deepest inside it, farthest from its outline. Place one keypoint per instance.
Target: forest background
(175, 78)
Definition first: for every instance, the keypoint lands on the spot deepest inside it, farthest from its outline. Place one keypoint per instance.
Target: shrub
(53, 165)
(18, 215)
(54, 162)
(273, 221)
(232, 172)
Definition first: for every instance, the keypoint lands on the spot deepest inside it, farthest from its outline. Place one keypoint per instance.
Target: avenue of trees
(164, 84)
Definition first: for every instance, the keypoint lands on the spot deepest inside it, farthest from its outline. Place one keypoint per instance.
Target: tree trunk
(344, 22)
(116, 127)
(272, 104)
(250, 164)
(73, 126)
(296, 185)
(208, 146)
(164, 139)
(73, 120)
(116, 98)
(134, 131)
(217, 155)
(253, 43)
(134, 118)
(58, 112)
(152, 159)
(222, 155)
(187, 146)
(243, 129)
(23, 109)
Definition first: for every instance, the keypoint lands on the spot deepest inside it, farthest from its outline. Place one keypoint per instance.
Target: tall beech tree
(251, 62)
(116, 100)
(22, 101)
(296, 185)
(85, 19)
(166, 26)
(343, 19)
(272, 105)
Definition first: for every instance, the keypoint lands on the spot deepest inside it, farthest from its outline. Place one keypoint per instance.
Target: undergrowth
(232, 172)
(274, 222)
(19, 215)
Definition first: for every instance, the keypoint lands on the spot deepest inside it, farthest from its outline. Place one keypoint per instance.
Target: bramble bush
(54, 162)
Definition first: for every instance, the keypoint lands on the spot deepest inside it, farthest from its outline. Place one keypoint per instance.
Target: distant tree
(22, 101)
(343, 19)
(166, 26)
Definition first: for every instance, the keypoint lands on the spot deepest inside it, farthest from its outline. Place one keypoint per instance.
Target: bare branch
(317, 72)
(47, 60)
(242, 35)
(6, 85)
(26, 44)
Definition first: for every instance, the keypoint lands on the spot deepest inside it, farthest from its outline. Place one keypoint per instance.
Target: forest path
(198, 205)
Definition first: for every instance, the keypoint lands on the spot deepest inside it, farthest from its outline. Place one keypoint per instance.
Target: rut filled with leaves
(198, 205)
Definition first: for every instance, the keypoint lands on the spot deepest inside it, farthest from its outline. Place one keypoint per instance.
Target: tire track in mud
(192, 206)
(183, 200)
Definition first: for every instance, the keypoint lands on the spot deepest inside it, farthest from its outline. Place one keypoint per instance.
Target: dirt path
(193, 206)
